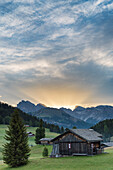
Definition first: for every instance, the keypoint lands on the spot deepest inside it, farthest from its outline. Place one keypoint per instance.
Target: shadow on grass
(6, 167)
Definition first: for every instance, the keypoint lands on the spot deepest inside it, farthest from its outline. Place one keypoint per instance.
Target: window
(69, 145)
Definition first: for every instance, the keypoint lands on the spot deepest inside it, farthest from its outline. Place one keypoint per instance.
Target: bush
(45, 152)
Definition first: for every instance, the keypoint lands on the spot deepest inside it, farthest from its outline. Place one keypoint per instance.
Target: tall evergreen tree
(16, 150)
(62, 129)
(66, 129)
(40, 132)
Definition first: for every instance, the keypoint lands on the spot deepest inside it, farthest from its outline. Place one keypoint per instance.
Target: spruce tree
(40, 133)
(74, 127)
(16, 150)
(62, 129)
(45, 152)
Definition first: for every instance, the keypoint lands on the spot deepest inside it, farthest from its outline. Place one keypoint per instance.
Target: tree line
(105, 128)
(5, 115)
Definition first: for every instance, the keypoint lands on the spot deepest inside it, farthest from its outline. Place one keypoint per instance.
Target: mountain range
(92, 115)
(52, 115)
(80, 117)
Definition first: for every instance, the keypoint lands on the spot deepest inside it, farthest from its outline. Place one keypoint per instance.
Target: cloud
(58, 44)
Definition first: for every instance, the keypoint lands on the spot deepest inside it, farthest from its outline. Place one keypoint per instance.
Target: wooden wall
(70, 148)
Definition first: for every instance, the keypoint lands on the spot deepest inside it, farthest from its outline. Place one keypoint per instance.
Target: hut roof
(87, 134)
(46, 139)
(109, 144)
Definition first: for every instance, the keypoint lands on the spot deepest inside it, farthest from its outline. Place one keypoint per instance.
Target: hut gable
(70, 137)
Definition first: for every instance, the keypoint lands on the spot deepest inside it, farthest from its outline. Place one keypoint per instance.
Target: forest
(105, 128)
(6, 111)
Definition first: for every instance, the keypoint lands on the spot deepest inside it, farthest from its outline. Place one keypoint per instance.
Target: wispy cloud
(56, 42)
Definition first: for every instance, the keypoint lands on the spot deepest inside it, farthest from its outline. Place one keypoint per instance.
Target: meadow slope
(37, 162)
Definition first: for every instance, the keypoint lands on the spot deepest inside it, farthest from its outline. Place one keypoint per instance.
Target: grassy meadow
(37, 162)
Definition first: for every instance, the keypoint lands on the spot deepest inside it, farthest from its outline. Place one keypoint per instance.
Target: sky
(56, 52)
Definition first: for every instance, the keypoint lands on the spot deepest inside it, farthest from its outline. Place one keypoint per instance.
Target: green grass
(37, 162)
(31, 139)
(29, 129)
(2, 140)
(47, 132)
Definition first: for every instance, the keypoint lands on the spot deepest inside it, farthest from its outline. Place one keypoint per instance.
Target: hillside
(36, 161)
(6, 111)
(52, 115)
(105, 128)
(31, 140)
(92, 115)
(60, 118)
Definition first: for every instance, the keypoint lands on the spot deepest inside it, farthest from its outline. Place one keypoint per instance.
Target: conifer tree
(40, 132)
(66, 129)
(45, 152)
(62, 129)
(74, 127)
(16, 150)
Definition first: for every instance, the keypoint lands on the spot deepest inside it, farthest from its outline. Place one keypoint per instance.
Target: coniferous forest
(6, 111)
(105, 128)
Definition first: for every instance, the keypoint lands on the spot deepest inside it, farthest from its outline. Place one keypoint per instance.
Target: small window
(69, 145)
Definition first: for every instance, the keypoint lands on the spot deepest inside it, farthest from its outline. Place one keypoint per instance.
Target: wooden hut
(77, 142)
(46, 141)
(30, 134)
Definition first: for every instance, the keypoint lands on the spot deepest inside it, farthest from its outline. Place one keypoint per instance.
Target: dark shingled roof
(87, 134)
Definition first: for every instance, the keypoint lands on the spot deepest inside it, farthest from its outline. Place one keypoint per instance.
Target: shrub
(45, 152)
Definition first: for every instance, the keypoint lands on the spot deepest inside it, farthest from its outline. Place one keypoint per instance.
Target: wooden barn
(77, 142)
(46, 141)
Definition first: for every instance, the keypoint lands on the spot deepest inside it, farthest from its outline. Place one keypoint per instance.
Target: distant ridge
(60, 118)
(27, 106)
(90, 115)
(52, 115)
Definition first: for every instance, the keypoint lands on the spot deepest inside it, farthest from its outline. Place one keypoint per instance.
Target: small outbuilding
(107, 144)
(30, 134)
(77, 142)
(46, 141)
